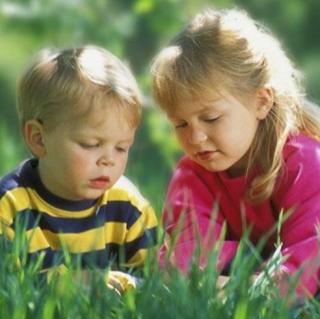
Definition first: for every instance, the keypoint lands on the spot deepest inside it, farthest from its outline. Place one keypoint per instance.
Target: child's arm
(141, 236)
(192, 222)
(299, 195)
(118, 281)
(122, 282)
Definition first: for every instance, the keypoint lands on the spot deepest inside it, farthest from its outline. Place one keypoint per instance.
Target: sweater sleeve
(192, 222)
(141, 236)
(299, 196)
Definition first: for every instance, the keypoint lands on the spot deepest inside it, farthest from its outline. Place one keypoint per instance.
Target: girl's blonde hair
(76, 79)
(228, 50)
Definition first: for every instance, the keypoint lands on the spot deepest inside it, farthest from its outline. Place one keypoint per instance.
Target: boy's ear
(33, 135)
(265, 101)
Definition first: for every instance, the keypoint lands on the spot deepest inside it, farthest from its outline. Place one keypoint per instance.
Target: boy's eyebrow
(101, 138)
(128, 140)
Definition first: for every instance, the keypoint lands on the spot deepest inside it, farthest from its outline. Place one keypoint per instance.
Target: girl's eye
(121, 149)
(180, 125)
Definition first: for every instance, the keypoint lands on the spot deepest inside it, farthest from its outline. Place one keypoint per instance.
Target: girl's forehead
(197, 104)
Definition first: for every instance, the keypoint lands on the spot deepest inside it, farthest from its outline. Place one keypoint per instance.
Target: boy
(79, 110)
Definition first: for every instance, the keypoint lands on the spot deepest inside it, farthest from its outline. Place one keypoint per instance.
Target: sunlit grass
(26, 293)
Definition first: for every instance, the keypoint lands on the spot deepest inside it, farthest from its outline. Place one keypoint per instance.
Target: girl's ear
(265, 101)
(33, 135)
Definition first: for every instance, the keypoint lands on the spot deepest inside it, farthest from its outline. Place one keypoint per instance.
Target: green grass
(11, 151)
(26, 294)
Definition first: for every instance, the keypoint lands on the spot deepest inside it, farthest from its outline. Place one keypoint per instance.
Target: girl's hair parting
(228, 50)
(76, 79)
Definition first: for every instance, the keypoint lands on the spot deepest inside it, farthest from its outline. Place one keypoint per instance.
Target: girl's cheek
(181, 139)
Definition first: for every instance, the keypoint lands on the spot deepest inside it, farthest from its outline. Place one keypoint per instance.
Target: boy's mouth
(100, 182)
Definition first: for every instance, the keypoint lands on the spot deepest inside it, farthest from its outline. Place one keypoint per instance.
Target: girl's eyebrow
(129, 140)
(209, 104)
(172, 118)
(205, 108)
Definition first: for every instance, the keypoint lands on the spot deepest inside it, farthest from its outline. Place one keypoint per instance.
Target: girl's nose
(197, 136)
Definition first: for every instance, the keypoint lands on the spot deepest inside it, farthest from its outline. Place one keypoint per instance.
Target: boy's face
(84, 156)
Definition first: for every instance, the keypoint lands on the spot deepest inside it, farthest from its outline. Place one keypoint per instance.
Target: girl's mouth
(205, 155)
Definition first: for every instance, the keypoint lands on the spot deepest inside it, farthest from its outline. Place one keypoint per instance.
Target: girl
(251, 143)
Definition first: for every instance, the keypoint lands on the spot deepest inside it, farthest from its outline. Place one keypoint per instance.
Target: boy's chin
(94, 194)
(89, 195)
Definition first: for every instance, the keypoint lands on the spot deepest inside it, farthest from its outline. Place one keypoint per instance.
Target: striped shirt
(115, 229)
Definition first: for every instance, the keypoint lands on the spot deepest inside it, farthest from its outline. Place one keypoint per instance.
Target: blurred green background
(134, 30)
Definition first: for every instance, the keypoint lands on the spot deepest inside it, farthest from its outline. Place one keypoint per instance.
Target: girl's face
(218, 131)
(85, 156)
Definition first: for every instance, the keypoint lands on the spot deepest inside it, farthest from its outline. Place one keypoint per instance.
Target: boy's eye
(89, 145)
(211, 119)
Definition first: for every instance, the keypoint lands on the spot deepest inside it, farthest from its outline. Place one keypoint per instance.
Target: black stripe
(148, 239)
(98, 258)
(112, 254)
(115, 211)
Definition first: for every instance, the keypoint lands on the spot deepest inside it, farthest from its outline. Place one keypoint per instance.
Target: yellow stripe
(94, 239)
(37, 239)
(145, 221)
(138, 258)
(8, 231)
(120, 194)
(13, 201)
(20, 198)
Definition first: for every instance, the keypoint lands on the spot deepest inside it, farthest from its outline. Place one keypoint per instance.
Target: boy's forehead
(96, 114)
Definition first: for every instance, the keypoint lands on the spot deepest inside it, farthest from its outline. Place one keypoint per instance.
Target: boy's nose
(107, 160)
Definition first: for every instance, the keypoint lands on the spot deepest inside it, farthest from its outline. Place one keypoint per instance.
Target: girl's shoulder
(301, 156)
(302, 148)
(187, 164)
(298, 181)
(187, 168)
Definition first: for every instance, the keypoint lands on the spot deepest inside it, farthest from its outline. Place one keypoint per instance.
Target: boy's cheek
(80, 162)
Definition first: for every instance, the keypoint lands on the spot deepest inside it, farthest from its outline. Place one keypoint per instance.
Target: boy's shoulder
(127, 185)
(125, 190)
(13, 179)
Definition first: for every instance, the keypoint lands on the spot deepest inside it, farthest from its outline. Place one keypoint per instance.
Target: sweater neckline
(33, 180)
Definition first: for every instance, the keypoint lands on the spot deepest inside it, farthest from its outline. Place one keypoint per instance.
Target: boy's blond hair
(228, 50)
(76, 79)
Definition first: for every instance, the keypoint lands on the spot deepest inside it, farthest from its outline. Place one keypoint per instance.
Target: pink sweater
(199, 202)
